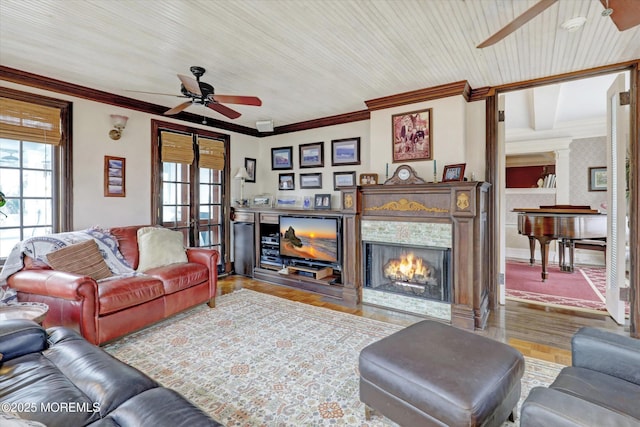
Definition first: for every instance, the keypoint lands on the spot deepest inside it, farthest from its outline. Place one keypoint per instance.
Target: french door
(617, 224)
(190, 185)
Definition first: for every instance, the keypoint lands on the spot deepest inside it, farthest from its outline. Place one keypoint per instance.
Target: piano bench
(592, 245)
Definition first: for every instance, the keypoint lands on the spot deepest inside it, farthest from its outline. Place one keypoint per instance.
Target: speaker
(264, 125)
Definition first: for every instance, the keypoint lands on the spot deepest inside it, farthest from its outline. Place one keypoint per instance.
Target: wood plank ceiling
(306, 59)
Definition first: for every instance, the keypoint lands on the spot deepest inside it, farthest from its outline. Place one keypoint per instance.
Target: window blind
(25, 121)
(211, 153)
(176, 147)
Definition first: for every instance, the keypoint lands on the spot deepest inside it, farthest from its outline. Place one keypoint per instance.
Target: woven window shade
(176, 148)
(26, 121)
(211, 153)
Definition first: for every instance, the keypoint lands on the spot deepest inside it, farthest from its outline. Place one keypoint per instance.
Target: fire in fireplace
(412, 271)
(409, 268)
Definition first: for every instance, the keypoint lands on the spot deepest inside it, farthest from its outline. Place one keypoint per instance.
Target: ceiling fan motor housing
(197, 71)
(205, 89)
(203, 93)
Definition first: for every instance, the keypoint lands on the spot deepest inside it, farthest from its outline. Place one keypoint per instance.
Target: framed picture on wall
(344, 179)
(311, 180)
(345, 152)
(312, 155)
(114, 176)
(285, 181)
(598, 178)
(282, 158)
(250, 166)
(411, 136)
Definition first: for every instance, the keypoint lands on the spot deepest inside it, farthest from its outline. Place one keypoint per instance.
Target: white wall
(476, 128)
(452, 121)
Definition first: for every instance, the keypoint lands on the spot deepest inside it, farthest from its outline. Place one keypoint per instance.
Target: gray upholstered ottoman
(432, 374)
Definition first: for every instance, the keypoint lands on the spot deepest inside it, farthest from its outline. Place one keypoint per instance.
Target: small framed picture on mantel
(453, 172)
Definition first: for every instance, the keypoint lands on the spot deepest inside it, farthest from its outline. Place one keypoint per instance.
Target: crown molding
(421, 95)
(46, 83)
(339, 119)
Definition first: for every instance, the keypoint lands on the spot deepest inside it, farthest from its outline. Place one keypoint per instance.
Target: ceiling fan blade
(527, 16)
(234, 99)
(177, 108)
(224, 110)
(156, 93)
(626, 13)
(190, 84)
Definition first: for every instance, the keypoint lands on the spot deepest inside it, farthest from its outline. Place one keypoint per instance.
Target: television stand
(309, 271)
(316, 277)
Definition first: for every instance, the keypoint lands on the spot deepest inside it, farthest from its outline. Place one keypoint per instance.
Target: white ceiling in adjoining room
(573, 109)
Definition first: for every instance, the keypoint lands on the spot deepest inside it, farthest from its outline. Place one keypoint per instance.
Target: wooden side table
(35, 311)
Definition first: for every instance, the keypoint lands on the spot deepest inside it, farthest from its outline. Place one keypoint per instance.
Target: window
(190, 190)
(35, 172)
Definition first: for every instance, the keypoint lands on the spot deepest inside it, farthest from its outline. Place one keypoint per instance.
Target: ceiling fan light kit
(624, 14)
(607, 10)
(204, 94)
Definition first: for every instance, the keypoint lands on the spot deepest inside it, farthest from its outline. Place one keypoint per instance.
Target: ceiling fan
(204, 94)
(624, 14)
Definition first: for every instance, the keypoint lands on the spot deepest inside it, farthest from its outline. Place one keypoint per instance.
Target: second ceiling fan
(204, 94)
(624, 14)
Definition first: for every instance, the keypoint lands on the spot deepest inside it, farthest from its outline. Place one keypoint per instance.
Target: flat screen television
(312, 239)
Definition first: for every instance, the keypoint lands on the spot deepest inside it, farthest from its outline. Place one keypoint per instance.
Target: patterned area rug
(260, 360)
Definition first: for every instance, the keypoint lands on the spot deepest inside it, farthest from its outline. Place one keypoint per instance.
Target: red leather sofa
(110, 309)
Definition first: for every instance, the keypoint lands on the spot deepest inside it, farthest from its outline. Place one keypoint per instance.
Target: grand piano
(566, 223)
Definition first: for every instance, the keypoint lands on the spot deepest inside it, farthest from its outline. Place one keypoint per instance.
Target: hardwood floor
(539, 332)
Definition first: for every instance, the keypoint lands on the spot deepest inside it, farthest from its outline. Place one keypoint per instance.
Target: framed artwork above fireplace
(411, 136)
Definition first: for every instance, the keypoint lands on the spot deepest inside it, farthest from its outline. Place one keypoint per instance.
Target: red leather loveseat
(105, 310)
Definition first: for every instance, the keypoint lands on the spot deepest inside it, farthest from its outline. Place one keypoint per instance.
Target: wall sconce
(242, 175)
(118, 122)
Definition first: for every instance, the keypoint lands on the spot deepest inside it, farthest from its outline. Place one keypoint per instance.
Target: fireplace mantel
(463, 205)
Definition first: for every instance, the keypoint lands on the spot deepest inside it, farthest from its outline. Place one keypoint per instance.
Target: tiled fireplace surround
(413, 236)
(442, 215)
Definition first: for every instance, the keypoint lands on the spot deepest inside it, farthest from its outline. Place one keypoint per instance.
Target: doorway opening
(554, 150)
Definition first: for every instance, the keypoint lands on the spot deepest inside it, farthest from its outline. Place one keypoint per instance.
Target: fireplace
(418, 272)
(445, 225)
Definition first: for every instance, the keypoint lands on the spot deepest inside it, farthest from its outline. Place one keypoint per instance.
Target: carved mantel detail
(405, 205)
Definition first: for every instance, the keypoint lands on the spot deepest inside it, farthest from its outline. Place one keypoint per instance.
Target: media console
(336, 280)
(451, 216)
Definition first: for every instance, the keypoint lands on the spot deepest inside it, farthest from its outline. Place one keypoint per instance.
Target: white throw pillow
(158, 247)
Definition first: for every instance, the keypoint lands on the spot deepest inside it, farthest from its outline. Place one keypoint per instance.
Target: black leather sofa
(58, 378)
(601, 388)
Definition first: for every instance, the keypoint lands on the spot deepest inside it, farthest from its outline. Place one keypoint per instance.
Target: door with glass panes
(192, 188)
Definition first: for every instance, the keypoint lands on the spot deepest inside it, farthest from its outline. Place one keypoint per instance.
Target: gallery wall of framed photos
(428, 135)
(309, 167)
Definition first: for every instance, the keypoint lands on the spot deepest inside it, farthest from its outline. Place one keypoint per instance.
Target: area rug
(260, 360)
(582, 289)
